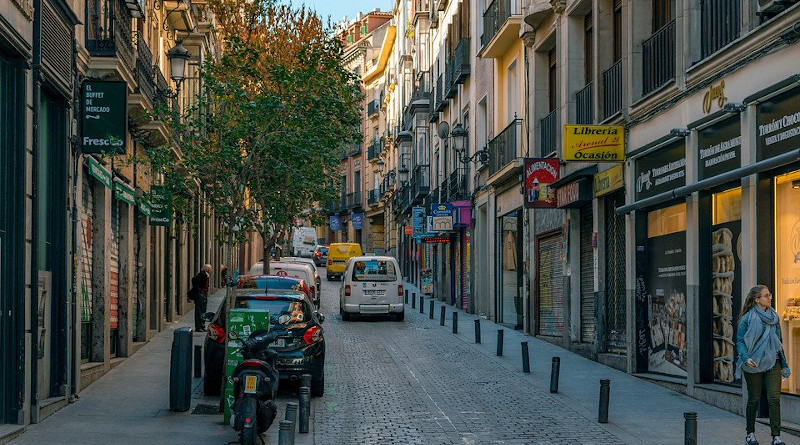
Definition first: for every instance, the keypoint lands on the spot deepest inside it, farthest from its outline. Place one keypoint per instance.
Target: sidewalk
(640, 412)
(130, 404)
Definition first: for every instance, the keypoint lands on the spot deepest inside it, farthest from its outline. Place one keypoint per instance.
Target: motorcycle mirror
(320, 317)
(207, 317)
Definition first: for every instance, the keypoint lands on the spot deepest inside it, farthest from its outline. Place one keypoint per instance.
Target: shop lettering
(539, 165)
(87, 141)
(643, 181)
(567, 194)
(714, 93)
(601, 156)
(594, 130)
(779, 124)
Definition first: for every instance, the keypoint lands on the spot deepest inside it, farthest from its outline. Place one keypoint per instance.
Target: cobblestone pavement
(410, 383)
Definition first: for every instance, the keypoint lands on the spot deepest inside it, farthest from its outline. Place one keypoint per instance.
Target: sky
(337, 9)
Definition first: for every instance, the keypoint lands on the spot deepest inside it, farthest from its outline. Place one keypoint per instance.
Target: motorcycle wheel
(249, 435)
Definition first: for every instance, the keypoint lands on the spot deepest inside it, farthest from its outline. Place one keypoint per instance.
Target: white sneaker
(776, 440)
(751, 439)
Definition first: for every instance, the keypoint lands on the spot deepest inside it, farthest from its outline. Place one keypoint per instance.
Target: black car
(320, 256)
(300, 347)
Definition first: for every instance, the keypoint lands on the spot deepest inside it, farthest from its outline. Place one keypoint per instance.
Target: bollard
(605, 389)
(198, 361)
(441, 316)
(499, 342)
(526, 360)
(305, 380)
(285, 433)
(413, 302)
(421, 304)
(477, 330)
(690, 429)
(406, 296)
(430, 303)
(180, 376)
(291, 415)
(554, 375)
(455, 322)
(304, 410)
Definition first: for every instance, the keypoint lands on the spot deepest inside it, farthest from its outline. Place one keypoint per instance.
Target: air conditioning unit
(770, 8)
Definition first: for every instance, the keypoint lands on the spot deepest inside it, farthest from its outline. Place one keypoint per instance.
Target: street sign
(104, 117)
(161, 206)
(418, 221)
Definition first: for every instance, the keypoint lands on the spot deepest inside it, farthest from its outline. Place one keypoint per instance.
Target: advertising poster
(358, 221)
(104, 117)
(242, 322)
(427, 281)
(442, 217)
(335, 223)
(726, 271)
(666, 304)
(539, 174)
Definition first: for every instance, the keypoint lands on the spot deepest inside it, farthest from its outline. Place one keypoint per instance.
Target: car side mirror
(208, 316)
(320, 317)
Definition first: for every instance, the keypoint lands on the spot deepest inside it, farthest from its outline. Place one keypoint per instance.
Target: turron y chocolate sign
(104, 117)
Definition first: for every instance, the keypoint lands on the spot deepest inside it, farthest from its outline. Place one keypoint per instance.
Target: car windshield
(323, 249)
(268, 283)
(374, 270)
(343, 249)
(281, 311)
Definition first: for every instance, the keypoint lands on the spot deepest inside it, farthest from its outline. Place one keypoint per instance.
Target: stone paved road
(411, 383)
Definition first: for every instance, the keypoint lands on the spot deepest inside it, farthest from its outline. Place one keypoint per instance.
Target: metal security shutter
(587, 276)
(551, 292)
(114, 274)
(86, 258)
(615, 275)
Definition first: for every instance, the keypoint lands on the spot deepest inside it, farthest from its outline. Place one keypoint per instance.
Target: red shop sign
(539, 174)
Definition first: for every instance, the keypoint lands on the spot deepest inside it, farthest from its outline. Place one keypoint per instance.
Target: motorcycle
(255, 385)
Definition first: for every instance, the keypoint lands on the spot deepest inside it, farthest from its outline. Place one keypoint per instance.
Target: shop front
(462, 219)
(509, 301)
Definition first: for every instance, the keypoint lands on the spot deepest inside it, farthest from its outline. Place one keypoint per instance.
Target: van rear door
(376, 281)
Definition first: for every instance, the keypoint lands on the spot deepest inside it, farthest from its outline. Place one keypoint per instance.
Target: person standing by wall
(203, 283)
(762, 359)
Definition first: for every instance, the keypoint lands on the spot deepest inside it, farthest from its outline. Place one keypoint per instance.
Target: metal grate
(584, 104)
(658, 53)
(588, 324)
(612, 89)
(204, 408)
(615, 275)
(57, 52)
(720, 24)
(551, 292)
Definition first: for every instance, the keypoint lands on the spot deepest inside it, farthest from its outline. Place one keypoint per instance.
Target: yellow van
(338, 255)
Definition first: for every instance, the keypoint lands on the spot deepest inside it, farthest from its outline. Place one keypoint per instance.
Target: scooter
(255, 385)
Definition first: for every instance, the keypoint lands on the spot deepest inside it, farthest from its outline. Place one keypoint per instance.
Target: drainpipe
(72, 314)
(34, 278)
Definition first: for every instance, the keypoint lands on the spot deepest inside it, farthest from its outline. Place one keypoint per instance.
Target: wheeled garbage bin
(180, 370)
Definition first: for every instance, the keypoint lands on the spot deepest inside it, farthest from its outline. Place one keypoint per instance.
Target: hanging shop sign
(99, 172)
(408, 230)
(145, 208)
(124, 192)
(418, 221)
(661, 171)
(442, 217)
(720, 148)
(779, 124)
(575, 194)
(335, 223)
(161, 205)
(357, 219)
(436, 240)
(462, 213)
(609, 181)
(539, 174)
(104, 117)
(594, 143)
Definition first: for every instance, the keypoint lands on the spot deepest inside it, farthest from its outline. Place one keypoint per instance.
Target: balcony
(504, 148)
(612, 90)
(373, 108)
(354, 200)
(421, 6)
(162, 88)
(338, 206)
(373, 197)
(450, 88)
(431, 199)
(145, 84)
(501, 24)
(658, 58)
(720, 24)
(386, 185)
(460, 61)
(441, 102)
(108, 31)
(455, 186)
(420, 183)
(422, 87)
(354, 150)
(548, 126)
(375, 149)
(402, 199)
(584, 105)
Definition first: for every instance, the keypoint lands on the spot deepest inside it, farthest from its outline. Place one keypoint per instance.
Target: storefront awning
(124, 192)
(98, 171)
(758, 167)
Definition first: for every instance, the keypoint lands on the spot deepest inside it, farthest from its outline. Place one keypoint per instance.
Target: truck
(304, 241)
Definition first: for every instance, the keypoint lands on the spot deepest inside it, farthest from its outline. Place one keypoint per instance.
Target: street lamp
(381, 165)
(459, 135)
(178, 57)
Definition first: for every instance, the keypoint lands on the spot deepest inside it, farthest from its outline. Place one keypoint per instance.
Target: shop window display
(787, 269)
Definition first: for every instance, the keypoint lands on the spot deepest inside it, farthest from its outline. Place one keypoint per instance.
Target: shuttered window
(550, 287)
(86, 257)
(114, 276)
(615, 275)
(587, 276)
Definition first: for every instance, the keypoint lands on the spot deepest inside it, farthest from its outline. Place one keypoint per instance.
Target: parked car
(372, 285)
(289, 269)
(320, 256)
(338, 255)
(304, 241)
(272, 282)
(300, 347)
(310, 262)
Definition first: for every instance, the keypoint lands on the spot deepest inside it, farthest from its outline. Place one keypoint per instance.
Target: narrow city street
(410, 382)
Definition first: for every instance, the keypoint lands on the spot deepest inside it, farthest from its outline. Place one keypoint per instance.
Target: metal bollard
(413, 301)
(477, 330)
(305, 380)
(499, 342)
(455, 322)
(406, 296)
(441, 316)
(605, 389)
(526, 359)
(554, 375)
(430, 303)
(198, 361)
(421, 304)
(690, 429)
(304, 410)
(291, 415)
(285, 436)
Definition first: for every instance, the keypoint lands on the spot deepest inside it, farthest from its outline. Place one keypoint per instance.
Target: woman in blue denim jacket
(761, 359)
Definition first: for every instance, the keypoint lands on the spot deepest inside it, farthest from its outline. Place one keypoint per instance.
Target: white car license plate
(338, 262)
(250, 384)
(280, 343)
(373, 292)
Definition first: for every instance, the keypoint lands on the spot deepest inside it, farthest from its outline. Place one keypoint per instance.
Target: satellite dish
(443, 130)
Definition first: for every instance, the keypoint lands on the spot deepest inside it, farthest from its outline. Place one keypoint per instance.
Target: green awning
(145, 208)
(98, 171)
(124, 192)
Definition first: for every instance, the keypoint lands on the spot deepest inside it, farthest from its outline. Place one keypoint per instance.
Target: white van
(371, 285)
(304, 241)
(291, 270)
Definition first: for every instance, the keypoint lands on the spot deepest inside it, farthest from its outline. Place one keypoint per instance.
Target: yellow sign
(609, 180)
(594, 143)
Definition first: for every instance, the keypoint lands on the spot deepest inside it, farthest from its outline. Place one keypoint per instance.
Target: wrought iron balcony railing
(375, 149)
(495, 17)
(612, 90)
(108, 31)
(373, 108)
(420, 183)
(145, 83)
(548, 126)
(461, 66)
(373, 197)
(354, 200)
(720, 24)
(456, 185)
(658, 58)
(503, 149)
(584, 105)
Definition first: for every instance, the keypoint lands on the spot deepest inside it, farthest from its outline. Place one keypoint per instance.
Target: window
(280, 311)
(363, 30)
(512, 91)
(374, 270)
(349, 38)
(552, 80)
(588, 49)
(662, 13)
(617, 30)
